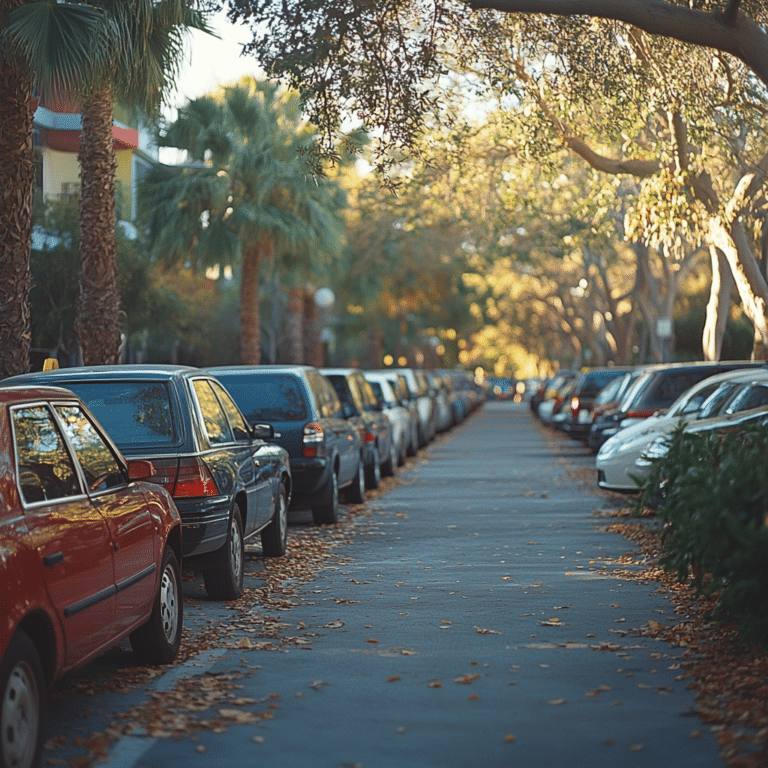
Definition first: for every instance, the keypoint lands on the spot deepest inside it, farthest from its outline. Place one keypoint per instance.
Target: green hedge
(712, 495)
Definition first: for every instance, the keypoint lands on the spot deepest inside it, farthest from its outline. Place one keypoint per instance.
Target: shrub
(712, 495)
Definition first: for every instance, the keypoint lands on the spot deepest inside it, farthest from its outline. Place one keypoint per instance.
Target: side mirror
(140, 469)
(262, 431)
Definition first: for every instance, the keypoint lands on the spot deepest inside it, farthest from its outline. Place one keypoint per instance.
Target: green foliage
(715, 511)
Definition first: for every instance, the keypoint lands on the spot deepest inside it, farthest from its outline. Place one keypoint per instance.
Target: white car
(616, 460)
(399, 417)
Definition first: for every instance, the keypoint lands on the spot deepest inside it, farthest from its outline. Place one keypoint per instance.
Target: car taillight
(639, 414)
(575, 405)
(313, 443)
(165, 473)
(369, 438)
(194, 479)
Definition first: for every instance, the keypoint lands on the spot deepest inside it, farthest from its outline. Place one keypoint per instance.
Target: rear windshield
(132, 412)
(594, 381)
(267, 397)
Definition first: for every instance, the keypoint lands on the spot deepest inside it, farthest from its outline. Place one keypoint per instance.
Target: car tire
(388, 466)
(225, 580)
(274, 538)
(158, 641)
(373, 470)
(327, 513)
(413, 443)
(402, 453)
(355, 493)
(23, 704)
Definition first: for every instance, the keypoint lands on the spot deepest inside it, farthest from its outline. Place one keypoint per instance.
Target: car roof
(101, 372)
(22, 393)
(287, 368)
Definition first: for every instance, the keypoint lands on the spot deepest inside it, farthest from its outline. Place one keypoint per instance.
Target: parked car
(657, 387)
(443, 396)
(554, 395)
(735, 407)
(616, 460)
(397, 413)
(306, 414)
(361, 408)
(228, 482)
(91, 555)
(400, 387)
(418, 392)
(587, 386)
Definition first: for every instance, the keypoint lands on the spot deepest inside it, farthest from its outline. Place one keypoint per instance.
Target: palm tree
(246, 196)
(59, 43)
(134, 56)
(147, 37)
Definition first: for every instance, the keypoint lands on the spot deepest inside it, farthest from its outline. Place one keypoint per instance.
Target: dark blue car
(229, 483)
(325, 449)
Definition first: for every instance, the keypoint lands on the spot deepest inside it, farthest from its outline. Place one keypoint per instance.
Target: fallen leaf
(393, 679)
(636, 747)
(434, 684)
(465, 679)
(556, 702)
(372, 640)
(481, 631)
(510, 737)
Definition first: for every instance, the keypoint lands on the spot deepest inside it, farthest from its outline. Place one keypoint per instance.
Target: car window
(268, 397)
(331, 402)
(752, 396)
(132, 412)
(712, 401)
(237, 422)
(100, 467)
(214, 418)
(45, 468)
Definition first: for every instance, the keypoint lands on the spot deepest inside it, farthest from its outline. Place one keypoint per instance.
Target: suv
(228, 483)
(306, 414)
(362, 408)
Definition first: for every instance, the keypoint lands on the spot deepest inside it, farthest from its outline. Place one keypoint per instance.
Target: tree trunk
(752, 287)
(313, 345)
(718, 305)
(295, 326)
(250, 322)
(98, 310)
(17, 176)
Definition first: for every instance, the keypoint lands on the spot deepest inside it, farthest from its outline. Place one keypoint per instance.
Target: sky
(210, 62)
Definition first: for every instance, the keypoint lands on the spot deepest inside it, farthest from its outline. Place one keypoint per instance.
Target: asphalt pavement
(474, 620)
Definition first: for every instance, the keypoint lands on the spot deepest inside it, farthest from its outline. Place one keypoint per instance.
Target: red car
(89, 554)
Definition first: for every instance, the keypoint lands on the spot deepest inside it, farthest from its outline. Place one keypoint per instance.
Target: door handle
(50, 560)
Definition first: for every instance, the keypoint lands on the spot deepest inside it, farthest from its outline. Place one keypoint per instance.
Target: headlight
(658, 449)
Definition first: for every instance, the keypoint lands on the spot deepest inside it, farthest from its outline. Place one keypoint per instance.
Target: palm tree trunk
(294, 325)
(17, 177)
(250, 322)
(98, 312)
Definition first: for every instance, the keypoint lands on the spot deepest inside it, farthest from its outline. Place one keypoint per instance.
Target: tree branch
(639, 168)
(729, 31)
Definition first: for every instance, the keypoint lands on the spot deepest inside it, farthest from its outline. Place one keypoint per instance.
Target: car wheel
(388, 466)
(413, 443)
(373, 470)
(274, 538)
(402, 452)
(355, 493)
(225, 580)
(158, 641)
(327, 513)
(22, 704)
